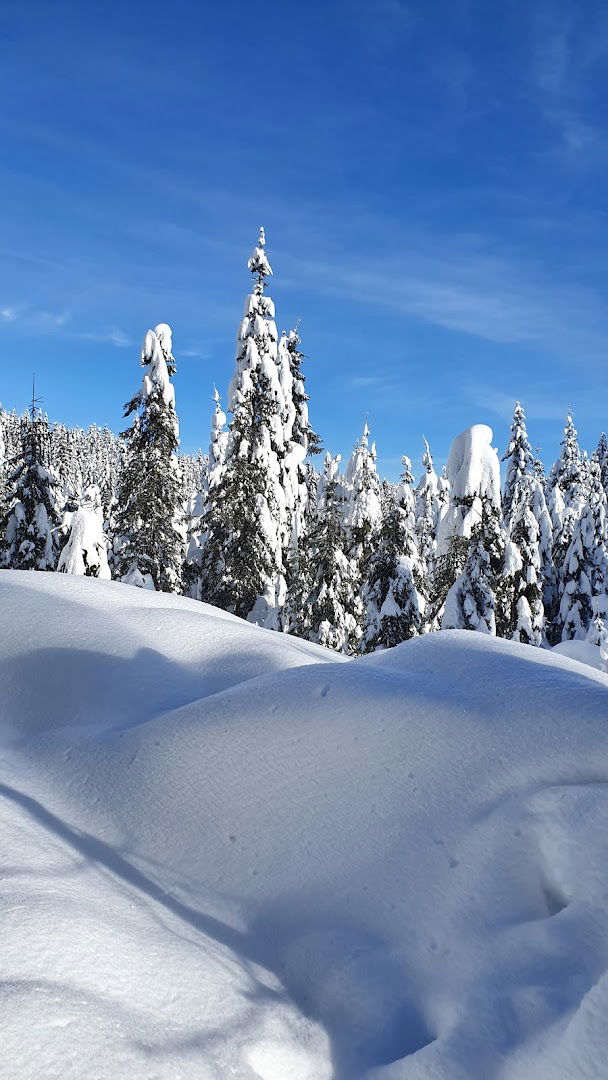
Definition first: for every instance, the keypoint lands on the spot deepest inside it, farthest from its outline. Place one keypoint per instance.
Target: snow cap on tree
(473, 473)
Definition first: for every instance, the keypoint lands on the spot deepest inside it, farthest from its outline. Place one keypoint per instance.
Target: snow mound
(583, 651)
(228, 853)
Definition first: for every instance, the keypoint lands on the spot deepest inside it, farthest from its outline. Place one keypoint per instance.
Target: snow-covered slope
(227, 853)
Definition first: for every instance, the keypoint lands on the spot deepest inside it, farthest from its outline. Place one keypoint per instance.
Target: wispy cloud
(568, 44)
(112, 336)
(539, 403)
(503, 299)
(39, 321)
(35, 319)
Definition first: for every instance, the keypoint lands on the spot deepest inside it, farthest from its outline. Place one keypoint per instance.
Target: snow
(229, 853)
(474, 476)
(583, 651)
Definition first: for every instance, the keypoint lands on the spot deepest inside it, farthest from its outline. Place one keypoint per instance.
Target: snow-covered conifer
(244, 524)
(328, 597)
(523, 570)
(85, 548)
(478, 598)
(428, 512)
(150, 493)
(585, 566)
(566, 492)
(32, 516)
(363, 511)
(601, 455)
(393, 590)
(519, 457)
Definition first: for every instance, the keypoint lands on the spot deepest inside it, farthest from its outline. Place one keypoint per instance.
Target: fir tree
(519, 457)
(363, 510)
(524, 572)
(479, 598)
(585, 566)
(427, 512)
(601, 455)
(32, 518)
(150, 493)
(210, 478)
(85, 548)
(244, 524)
(330, 608)
(393, 591)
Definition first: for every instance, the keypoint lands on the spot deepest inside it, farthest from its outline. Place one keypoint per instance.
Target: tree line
(332, 554)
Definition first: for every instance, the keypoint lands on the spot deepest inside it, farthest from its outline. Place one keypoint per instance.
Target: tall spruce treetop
(519, 457)
(427, 511)
(245, 520)
(147, 521)
(568, 473)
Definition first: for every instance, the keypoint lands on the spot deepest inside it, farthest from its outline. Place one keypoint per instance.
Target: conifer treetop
(258, 263)
(427, 457)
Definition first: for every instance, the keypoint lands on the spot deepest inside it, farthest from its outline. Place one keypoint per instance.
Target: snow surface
(229, 853)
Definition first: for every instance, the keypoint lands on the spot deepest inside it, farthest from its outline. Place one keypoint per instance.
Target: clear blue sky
(431, 176)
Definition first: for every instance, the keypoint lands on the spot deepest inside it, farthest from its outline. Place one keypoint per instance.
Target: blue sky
(431, 176)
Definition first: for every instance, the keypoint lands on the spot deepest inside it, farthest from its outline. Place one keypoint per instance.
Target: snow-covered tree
(150, 494)
(32, 515)
(598, 633)
(601, 455)
(300, 439)
(473, 482)
(428, 509)
(523, 570)
(244, 523)
(85, 548)
(478, 599)
(327, 597)
(519, 457)
(585, 566)
(363, 508)
(393, 590)
(566, 492)
(210, 477)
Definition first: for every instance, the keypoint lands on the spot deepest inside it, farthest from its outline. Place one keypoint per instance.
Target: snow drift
(228, 853)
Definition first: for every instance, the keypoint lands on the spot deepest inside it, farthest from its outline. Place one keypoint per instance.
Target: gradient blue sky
(431, 176)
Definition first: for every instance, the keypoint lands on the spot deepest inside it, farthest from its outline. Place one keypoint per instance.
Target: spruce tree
(519, 457)
(524, 574)
(427, 513)
(328, 599)
(32, 513)
(85, 547)
(472, 535)
(211, 475)
(393, 590)
(566, 496)
(585, 567)
(363, 507)
(150, 493)
(300, 439)
(601, 455)
(244, 524)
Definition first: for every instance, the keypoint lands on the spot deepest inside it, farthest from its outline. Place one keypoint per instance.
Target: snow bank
(228, 853)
